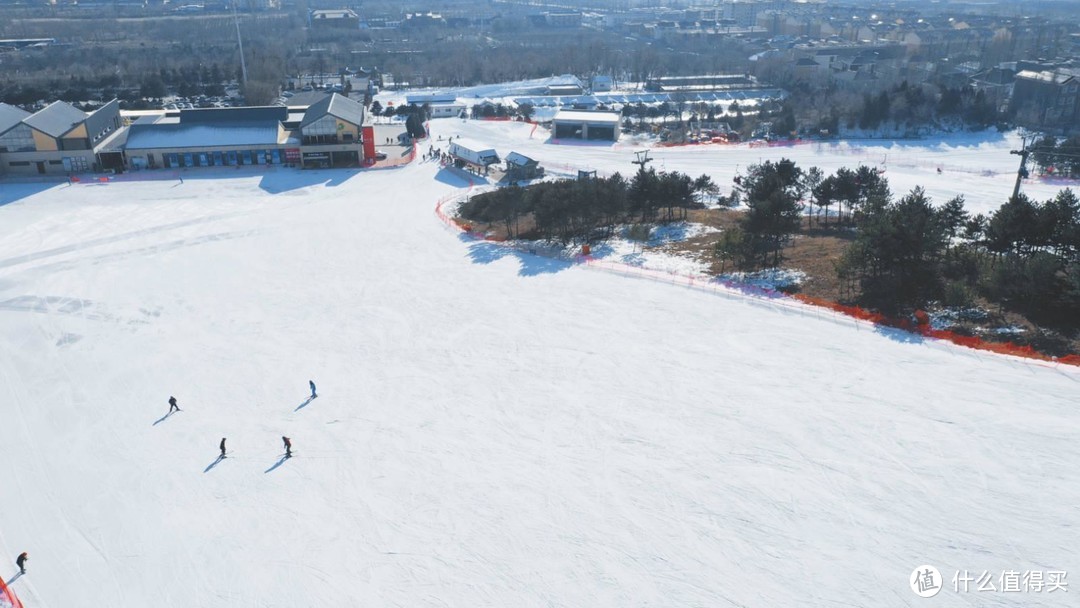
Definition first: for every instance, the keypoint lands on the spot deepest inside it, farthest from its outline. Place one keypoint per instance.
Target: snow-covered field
(493, 428)
(975, 165)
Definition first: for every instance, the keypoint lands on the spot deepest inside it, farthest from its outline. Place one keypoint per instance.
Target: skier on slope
(21, 562)
(222, 447)
(311, 383)
(172, 405)
(288, 446)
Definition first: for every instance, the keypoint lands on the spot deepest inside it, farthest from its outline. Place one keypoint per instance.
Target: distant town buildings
(1048, 98)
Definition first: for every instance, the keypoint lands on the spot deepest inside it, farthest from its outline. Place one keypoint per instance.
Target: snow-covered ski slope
(492, 429)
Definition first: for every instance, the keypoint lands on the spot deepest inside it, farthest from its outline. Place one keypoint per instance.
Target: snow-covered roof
(431, 98)
(586, 116)
(176, 135)
(473, 152)
(1055, 77)
(520, 160)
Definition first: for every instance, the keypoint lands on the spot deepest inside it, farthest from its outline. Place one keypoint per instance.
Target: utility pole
(240, 42)
(1022, 172)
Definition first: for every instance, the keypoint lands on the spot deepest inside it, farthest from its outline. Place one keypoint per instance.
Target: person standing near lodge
(222, 446)
(311, 383)
(172, 405)
(288, 446)
(21, 562)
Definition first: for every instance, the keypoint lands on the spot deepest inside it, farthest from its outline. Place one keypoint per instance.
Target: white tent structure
(472, 154)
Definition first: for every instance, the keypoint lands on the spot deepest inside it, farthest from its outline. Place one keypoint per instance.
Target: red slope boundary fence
(8, 599)
(759, 296)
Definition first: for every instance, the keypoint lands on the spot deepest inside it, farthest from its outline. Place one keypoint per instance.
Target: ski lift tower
(641, 159)
(1022, 172)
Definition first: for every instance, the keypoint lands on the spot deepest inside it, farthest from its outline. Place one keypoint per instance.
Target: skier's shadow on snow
(304, 404)
(213, 464)
(162, 419)
(13, 579)
(277, 464)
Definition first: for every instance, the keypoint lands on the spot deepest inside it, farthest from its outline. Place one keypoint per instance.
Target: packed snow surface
(492, 428)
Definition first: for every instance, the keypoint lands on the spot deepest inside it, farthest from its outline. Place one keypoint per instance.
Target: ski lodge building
(330, 133)
(58, 139)
(61, 139)
(586, 124)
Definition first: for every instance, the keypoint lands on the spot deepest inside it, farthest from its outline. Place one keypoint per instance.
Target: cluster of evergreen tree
(590, 208)
(773, 192)
(1055, 157)
(1034, 253)
(911, 105)
(415, 116)
(860, 190)
(1023, 257)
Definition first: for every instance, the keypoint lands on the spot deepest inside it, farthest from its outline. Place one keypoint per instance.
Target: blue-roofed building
(214, 137)
(327, 133)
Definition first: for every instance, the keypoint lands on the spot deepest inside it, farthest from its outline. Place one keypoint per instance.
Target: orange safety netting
(8, 599)
(920, 325)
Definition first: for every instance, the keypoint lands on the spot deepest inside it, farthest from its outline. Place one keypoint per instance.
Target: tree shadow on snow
(304, 404)
(213, 464)
(277, 464)
(531, 264)
(899, 335)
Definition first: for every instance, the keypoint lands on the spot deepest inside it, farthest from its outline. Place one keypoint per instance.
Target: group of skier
(221, 446)
(20, 561)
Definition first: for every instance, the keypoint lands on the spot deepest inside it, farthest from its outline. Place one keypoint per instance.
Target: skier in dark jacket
(21, 562)
(172, 405)
(222, 447)
(288, 446)
(311, 383)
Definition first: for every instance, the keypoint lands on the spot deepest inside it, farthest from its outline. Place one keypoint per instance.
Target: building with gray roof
(586, 124)
(64, 139)
(15, 136)
(58, 139)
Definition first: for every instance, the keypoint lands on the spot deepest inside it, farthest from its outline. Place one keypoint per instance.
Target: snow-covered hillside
(492, 428)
